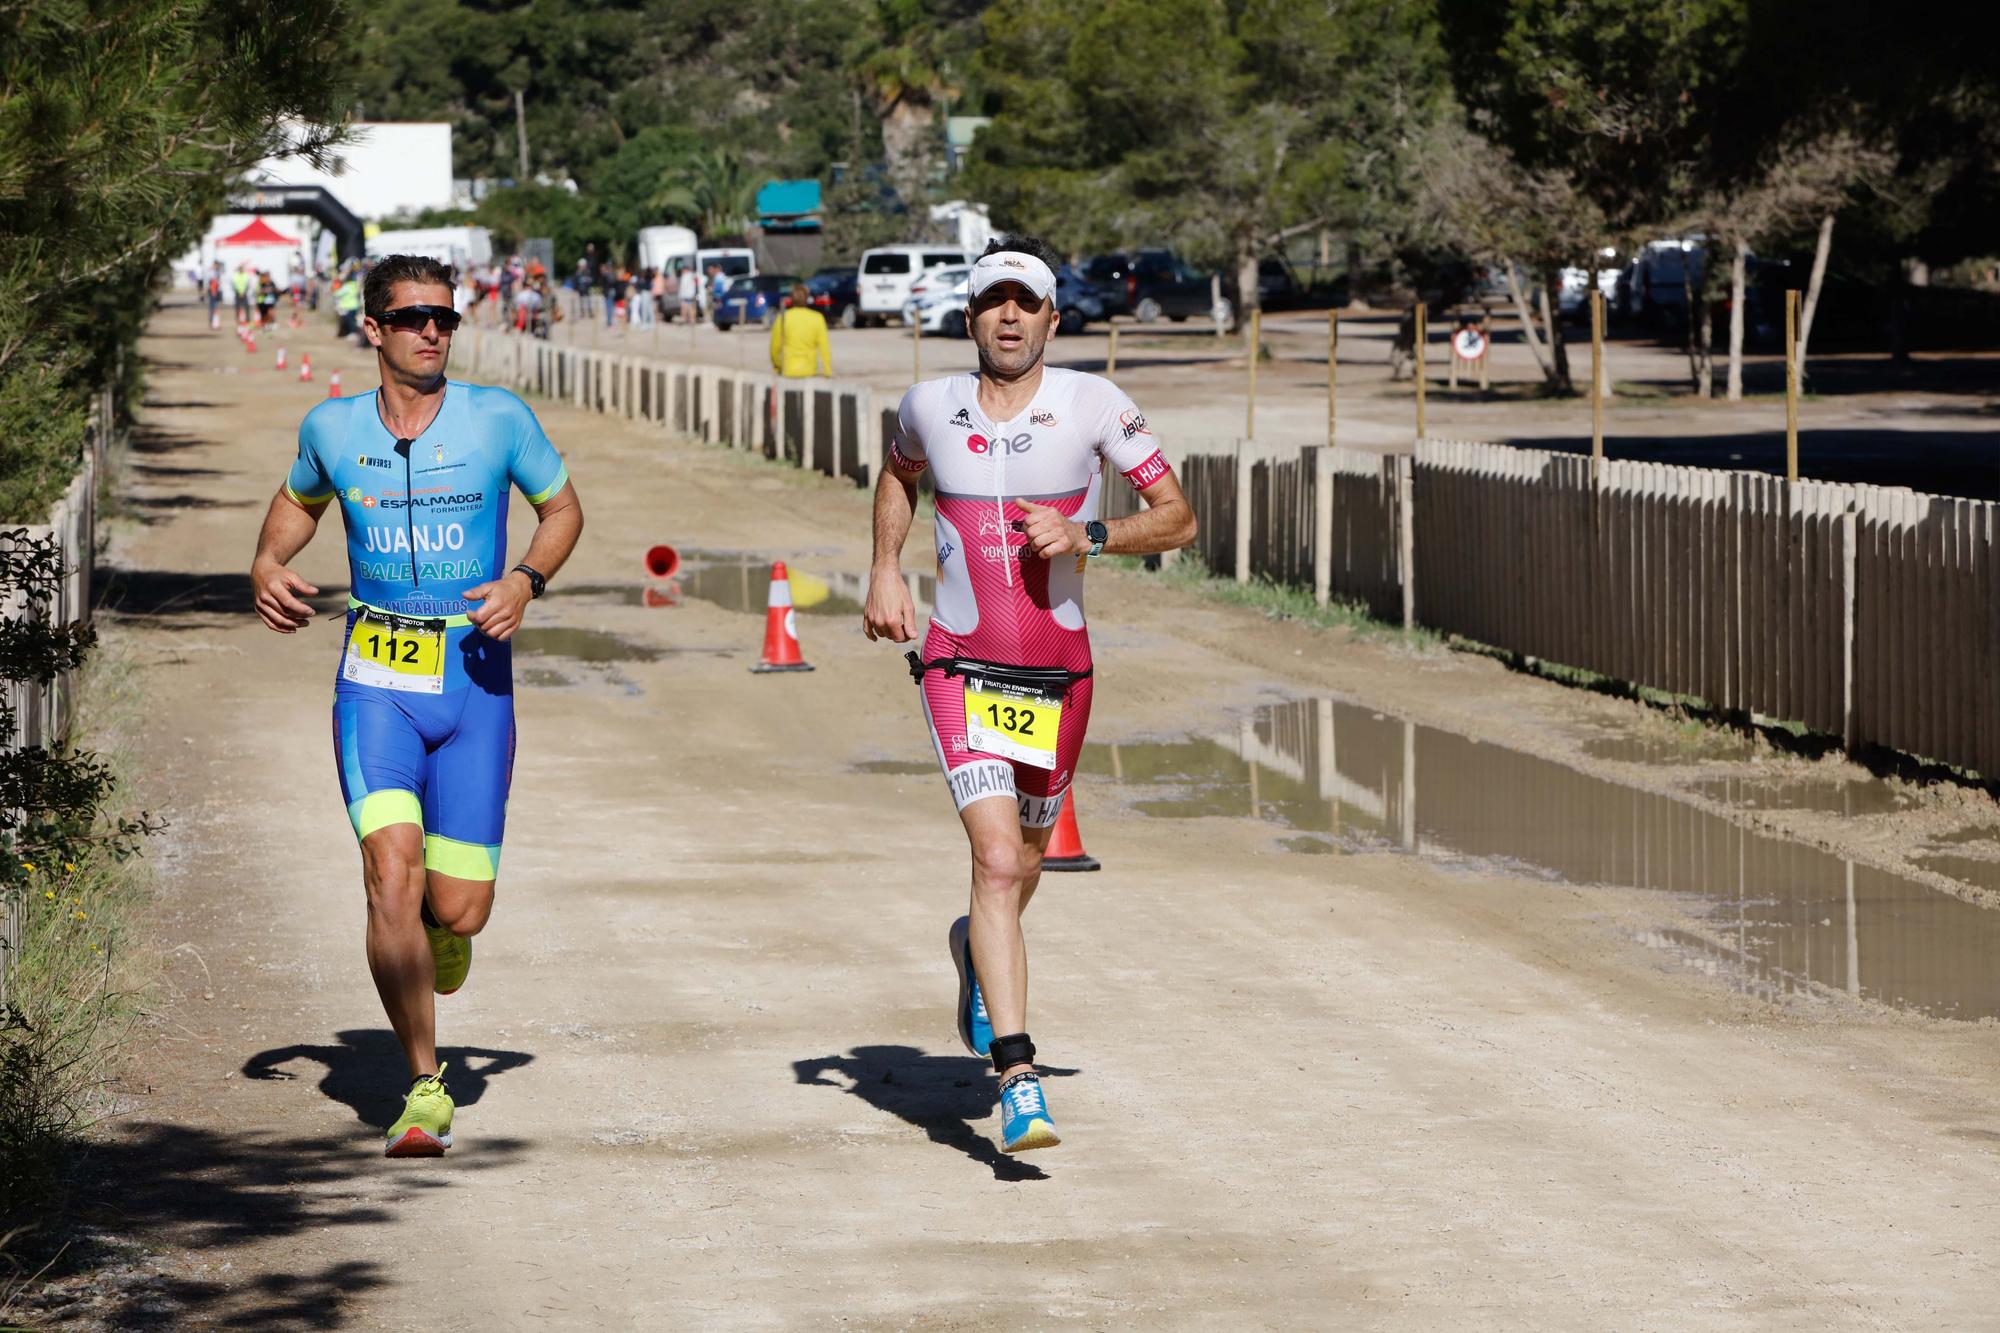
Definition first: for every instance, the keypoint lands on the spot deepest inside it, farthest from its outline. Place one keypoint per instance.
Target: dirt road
(705, 1066)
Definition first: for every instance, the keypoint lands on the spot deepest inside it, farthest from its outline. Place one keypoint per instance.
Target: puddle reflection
(1788, 916)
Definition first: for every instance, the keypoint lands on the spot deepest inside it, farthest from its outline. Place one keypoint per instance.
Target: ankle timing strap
(1011, 1051)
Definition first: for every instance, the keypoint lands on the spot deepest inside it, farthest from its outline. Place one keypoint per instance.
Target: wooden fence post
(1256, 350)
(1596, 381)
(1791, 384)
(1244, 463)
(1418, 351)
(1332, 369)
(1323, 525)
(1844, 559)
(1406, 536)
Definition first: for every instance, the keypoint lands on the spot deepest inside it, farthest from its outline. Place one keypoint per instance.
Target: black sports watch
(537, 585)
(1096, 534)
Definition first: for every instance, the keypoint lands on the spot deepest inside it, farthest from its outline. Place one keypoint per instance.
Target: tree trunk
(1522, 313)
(1550, 298)
(1354, 295)
(521, 134)
(906, 133)
(1246, 289)
(1701, 368)
(1739, 270)
(1821, 250)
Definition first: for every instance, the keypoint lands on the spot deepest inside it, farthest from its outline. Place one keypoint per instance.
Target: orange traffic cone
(333, 385)
(781, 627)
(1066, 845)
(250, 341)
(214, 320)
(306, 368)
(281, 358)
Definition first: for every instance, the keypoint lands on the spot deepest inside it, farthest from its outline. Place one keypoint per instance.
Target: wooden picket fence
(42, 712)
(1867, 613)
(833, 427)
(1862, 612)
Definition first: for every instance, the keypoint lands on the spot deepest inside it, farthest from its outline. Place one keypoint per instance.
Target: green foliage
(121, 126)
(517, 212)
(1222, 129)
(627, 188)
(712, 192)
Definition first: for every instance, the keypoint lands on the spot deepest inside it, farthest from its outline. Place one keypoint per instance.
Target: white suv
(888, 273)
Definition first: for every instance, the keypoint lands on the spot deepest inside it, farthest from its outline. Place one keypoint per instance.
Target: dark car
(1151, 284)
(1079, 300)
(753, 300)
(834, 295)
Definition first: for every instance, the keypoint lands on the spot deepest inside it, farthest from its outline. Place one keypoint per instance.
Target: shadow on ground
(940, 1094)
(175, 599)
(206, 1196)
(365, 1071)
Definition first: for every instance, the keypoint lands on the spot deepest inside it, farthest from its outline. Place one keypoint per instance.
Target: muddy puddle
(582, 645)
(1778, 916)
(1848, 797)
(736, 581)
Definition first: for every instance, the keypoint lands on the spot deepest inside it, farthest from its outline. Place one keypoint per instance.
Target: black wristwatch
(1096, 534)
(537, 585)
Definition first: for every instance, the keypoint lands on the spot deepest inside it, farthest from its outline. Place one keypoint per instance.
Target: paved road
(705, 1064)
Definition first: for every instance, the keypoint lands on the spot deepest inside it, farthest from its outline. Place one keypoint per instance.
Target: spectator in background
(799, 346)
(657, 290)
(267, 299)
(718, 285)
(690, 293)
(347, 302)
(614, 282)
(240, 280)
(212, 290)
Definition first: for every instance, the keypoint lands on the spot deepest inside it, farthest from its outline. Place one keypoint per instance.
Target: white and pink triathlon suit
(995, 603)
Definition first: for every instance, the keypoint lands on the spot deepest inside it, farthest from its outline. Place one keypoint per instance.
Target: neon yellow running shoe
(453, 956)
(424, 1128)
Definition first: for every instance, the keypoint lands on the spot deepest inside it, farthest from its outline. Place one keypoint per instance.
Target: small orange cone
(1066, 846)
(333, 385)
(306, 368)
(214, 320)
(250, 341)
(781, 627)
(281, 358)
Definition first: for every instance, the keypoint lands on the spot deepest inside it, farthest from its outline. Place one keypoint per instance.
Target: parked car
(1080, 300)
(937, 301)
(1156, 284)
(753, 300)
(888, 272)
(835, 295)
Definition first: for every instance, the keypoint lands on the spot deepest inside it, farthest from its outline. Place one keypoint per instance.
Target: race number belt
(1011, 712)
(394, 652)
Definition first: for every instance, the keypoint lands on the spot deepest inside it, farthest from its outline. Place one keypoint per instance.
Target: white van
(666, 248)
(888, 272)
(459, 247)
(736, 262)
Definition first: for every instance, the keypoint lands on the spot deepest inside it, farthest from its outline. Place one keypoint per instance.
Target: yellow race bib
(391, 653)
(1012, 722)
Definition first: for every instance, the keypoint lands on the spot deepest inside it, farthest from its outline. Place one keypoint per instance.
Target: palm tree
(904, 78)
(713, 191)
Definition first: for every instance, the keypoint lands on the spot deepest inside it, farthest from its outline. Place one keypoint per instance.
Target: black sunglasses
(414, 317)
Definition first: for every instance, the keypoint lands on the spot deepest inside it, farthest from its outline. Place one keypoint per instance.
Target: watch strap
(537, 583)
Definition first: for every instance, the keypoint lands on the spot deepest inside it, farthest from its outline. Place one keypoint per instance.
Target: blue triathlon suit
(423, 526)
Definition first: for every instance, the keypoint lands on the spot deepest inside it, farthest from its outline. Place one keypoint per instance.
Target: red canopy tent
(259, 232)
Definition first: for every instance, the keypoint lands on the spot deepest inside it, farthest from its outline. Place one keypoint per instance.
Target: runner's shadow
(366, 1071)
(939, 1094)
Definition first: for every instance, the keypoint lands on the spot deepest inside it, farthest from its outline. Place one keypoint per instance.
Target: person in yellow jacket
(799, 346)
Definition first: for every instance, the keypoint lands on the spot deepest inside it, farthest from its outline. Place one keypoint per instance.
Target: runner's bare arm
(288, 525)
(1165, 524)
(503, 601)
(890, 612)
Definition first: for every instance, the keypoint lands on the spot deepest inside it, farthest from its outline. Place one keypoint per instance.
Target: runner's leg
(399, 956)
(1000, 865)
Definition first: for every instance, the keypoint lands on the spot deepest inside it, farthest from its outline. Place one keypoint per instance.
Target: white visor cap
(1013, 266)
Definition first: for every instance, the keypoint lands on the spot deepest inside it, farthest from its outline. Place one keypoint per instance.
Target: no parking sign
(1469, 343)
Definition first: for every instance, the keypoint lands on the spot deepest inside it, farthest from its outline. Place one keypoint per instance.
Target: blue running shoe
(974, 1028)
(1024, 1116)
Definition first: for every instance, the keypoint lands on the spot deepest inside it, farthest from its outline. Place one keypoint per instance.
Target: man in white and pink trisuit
(1019, 454)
